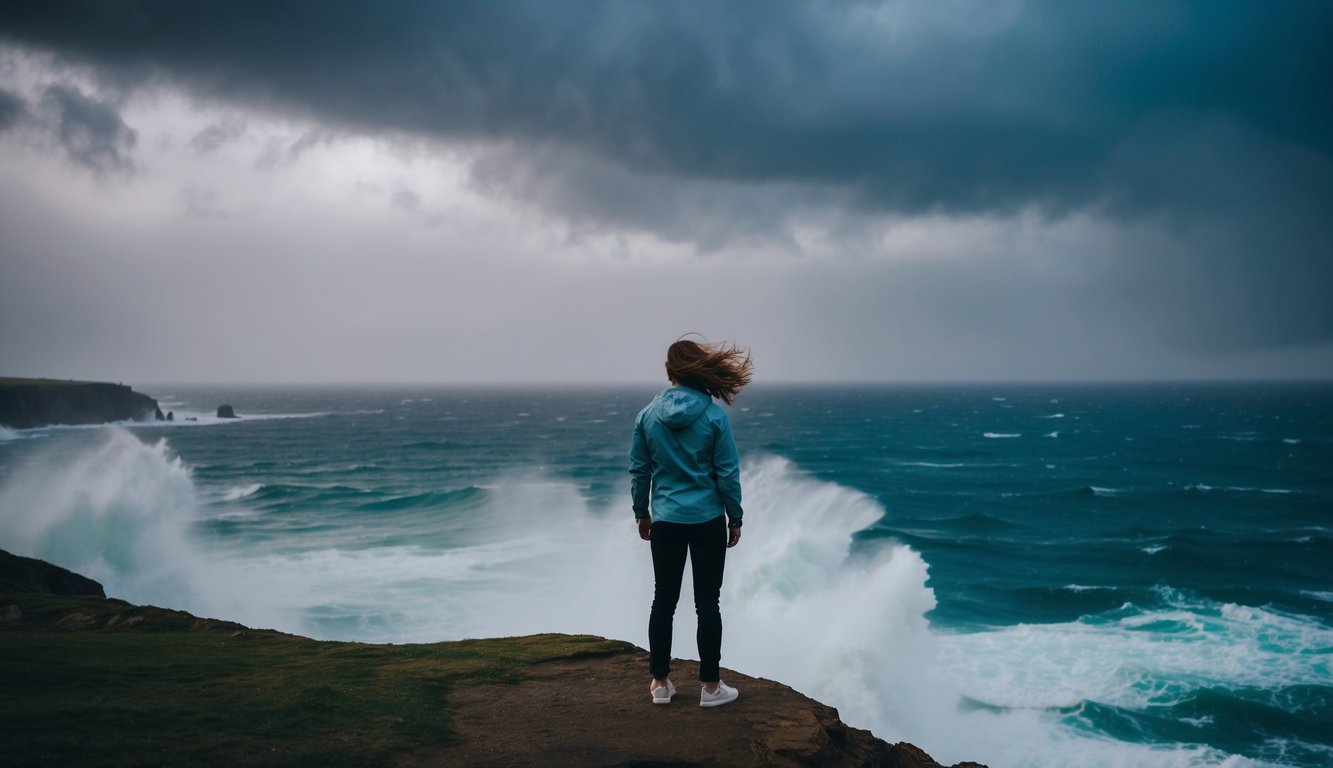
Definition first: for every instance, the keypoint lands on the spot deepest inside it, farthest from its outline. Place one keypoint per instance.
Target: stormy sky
(553, 191)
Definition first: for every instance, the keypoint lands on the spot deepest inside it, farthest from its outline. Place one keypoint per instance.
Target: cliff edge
(100, 681)
(28, 403)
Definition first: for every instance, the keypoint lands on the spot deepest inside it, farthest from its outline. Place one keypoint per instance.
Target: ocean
(1022, 575)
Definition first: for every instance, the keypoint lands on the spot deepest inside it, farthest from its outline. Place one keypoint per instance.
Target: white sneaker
(724, 694)
(663, 695)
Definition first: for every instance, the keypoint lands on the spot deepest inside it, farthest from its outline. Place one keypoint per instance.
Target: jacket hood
(679, 407)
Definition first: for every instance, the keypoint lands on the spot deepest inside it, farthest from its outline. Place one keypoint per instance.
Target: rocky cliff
(103, 682)
(26, 574)
(27, 403)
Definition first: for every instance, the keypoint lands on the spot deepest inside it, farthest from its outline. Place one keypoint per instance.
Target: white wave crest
(848, 629)
(241, 492)
(999, 435)
(119, 511)
(931, 464)
(7, 434)
(115, 511)
(1142, 660)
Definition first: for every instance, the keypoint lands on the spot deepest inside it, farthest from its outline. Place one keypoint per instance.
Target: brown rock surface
(597, 712)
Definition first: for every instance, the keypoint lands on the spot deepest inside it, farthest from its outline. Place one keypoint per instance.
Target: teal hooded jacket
(683, 463)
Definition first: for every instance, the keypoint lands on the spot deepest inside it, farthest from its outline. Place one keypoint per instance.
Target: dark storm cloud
(1209, 121)
(91, 132)
(943, 108)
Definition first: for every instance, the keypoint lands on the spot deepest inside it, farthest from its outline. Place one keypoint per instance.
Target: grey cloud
(91, 132)
(1021, 108)
(217, 135)
(200, 203)
(280, 152)
(594, 196)
(1206, 124)
(406, 200)
(12, 109)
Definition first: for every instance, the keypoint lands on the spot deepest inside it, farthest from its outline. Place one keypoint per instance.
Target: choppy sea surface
(1024, 575)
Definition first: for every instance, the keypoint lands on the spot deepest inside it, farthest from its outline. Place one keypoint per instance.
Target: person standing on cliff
(686, 491)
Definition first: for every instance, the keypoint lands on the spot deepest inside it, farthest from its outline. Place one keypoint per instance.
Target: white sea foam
(241, 492)
(1097, 491)
(932, 464)
(1124, 664)
(210, 419)
(116, 512)
(1202, 488)
(1291, 441)
(1153, 549)
(1053, 416)
(8, 435)
(998, 435)
(1141, 661)
(1053, 434)
(850, 630)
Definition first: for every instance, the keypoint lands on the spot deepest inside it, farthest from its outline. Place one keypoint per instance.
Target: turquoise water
(1042, 575)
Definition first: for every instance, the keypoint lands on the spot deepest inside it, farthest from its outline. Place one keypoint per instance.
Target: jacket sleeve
(727, 469)
(640, 471)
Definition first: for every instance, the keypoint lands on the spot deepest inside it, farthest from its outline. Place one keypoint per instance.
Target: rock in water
(226, 412)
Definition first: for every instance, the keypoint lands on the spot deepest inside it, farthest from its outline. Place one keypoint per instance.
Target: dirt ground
(598, 712)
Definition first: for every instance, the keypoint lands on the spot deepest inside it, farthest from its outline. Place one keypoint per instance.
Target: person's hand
(645, 528)
(733, 537)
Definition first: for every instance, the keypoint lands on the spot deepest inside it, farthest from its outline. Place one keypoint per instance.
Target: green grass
(162, 693)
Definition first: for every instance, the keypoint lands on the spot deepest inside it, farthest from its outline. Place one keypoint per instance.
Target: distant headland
(28, 403)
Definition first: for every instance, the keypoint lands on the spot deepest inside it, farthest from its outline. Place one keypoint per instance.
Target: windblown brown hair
(717, 369)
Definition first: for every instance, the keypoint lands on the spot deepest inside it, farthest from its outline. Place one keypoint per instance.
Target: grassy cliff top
(96, 681)
(92, 681)
(14, 381)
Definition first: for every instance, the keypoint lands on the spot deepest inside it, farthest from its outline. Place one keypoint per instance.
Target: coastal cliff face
(28, 403)
(152, 686)
(26, 574)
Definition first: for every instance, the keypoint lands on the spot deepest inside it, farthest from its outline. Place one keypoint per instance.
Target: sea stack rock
(226, 412)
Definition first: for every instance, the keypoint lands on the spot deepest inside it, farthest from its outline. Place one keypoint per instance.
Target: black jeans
(706, 544)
